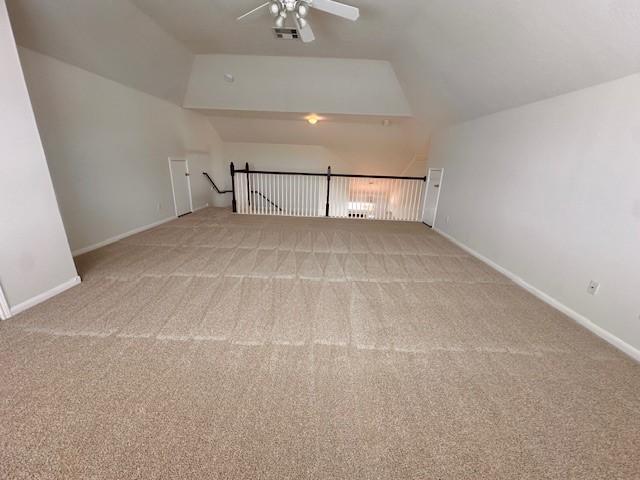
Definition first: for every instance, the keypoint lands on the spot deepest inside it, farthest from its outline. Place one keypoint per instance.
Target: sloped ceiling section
(296, 84)
(111, 38)
(209, 26)
(456, 59)
(460, 60)
(366, 120)
(364, 145)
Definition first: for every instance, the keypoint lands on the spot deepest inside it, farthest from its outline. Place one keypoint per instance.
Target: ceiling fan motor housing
(280, 7)
(300, 9)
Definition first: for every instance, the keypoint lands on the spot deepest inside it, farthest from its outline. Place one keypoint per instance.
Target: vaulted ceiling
(208, 26)
(455, 59)
(112, 38)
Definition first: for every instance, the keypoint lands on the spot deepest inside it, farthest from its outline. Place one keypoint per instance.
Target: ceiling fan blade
(337, 8)
(306, 34)
(252, 11)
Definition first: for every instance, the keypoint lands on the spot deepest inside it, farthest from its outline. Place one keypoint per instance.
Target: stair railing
(327, 194)
(213, 184)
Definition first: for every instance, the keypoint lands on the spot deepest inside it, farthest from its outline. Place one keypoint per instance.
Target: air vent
(286, 33)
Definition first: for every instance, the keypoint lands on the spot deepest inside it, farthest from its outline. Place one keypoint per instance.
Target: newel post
(234, 207)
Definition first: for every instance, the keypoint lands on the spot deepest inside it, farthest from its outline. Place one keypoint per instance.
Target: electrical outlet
(159, 206)
(447, 219)
(593, 287)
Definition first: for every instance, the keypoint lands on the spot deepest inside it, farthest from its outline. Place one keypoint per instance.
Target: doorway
(181, 185)
(434, 187)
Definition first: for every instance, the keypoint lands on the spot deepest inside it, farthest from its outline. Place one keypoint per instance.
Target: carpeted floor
(226, 347)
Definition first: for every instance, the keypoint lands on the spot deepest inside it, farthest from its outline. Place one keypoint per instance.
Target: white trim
(32, 302)
(186, 167)
(111, 240)
(577, 317)
(173, 187)
(206, 205)
(426, 196)
(5, 311)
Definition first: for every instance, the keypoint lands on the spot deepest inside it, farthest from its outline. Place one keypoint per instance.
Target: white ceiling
(209, 26)
(461, 59)
(367, 147)
(455, 59)
(296, 84)
(112, 38)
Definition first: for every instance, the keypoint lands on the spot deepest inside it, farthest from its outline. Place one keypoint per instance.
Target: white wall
(266, 156)
(296, 84)
(281, 157)
(551, 192)
(364, 147)
(417, 167)
(201, 189)
(108, 146)
(113, 39)
(34, 252)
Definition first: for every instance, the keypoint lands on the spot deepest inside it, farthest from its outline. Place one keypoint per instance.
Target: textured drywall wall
(34, 252)
(108, 147)
(550, 191)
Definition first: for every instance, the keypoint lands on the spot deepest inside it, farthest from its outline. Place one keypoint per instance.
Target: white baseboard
(5, 311)
(577, 317)
(111, 240)
(201, 207)
(32, 302)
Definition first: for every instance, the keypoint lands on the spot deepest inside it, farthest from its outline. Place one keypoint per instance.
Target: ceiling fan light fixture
(274, 9)
(280, 20)
(279, 10)
(302, 10)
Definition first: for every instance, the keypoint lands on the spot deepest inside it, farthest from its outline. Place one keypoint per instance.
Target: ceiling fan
(300, 9)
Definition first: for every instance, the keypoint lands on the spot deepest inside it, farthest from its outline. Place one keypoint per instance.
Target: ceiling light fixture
(312, 119)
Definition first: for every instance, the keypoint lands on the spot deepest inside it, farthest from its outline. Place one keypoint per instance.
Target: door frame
(5, 311)
(426, 196)
(173, 187)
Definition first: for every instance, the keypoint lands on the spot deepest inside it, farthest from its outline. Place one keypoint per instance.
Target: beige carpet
(227, 347)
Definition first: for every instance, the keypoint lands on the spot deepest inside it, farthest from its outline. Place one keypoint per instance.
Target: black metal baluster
(328, 189)
(246, 167)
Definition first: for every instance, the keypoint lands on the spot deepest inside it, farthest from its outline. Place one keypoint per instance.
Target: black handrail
(215, 186)
(256, 192)
(391, 177)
